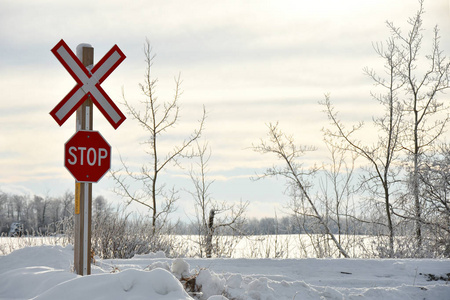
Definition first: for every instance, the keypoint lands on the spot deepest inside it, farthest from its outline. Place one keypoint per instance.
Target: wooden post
(83, 215)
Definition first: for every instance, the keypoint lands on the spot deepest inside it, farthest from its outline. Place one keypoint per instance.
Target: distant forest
(53, 215)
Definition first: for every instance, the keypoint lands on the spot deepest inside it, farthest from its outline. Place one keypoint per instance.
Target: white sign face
(88, 84)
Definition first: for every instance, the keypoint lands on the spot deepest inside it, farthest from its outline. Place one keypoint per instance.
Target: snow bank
(28, 272)
(210, 283)
(128, 284)
(55, 257)
(336, 279)
(45, 272)
(180, 268)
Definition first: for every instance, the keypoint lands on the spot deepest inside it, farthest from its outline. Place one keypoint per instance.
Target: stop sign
(87, 156)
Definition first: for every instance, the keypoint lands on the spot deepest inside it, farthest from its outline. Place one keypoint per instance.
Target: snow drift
(45, 272)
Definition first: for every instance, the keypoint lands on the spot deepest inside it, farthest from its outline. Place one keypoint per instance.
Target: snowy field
(254, 246)
(45, 272)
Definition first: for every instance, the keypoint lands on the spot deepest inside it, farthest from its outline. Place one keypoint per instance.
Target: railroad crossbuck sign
(88, 84)
(87, 156)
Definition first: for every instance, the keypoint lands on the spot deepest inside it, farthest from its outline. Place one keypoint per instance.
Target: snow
(180, 268)
(45, 272)
(79, 51)
(128, 284)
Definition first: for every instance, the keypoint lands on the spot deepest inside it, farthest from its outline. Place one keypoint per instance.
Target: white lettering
(81, 156)
(91, 155)
(102, 153)
(74, 156)
(91, 150)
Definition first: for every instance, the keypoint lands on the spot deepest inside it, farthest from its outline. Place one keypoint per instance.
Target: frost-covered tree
(425, 79)
(435, 192)
(413, 120)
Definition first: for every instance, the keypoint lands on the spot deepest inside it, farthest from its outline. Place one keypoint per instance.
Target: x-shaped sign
(88, 84)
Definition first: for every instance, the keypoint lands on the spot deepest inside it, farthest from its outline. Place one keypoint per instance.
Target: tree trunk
(417, 208)
(209, 234)
(389, 219)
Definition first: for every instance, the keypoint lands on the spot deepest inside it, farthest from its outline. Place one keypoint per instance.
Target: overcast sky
(248, 62)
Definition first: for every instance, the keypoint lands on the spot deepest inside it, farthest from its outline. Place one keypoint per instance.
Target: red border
(115, 48)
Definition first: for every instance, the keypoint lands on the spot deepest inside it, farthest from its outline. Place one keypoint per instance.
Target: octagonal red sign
(87, 156)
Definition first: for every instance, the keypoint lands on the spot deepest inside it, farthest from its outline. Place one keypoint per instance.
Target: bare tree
(423, 125)
(156, 118)
(380, 156)
(67, 213)
(55, 207)
(211, 214)
(337, 190)
(68, 203)
(284, 148)
(19, 205)
(39, 212)
(4, 220)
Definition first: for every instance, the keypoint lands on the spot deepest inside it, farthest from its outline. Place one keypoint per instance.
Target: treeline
(36, 214)
(283, 225)
(52, 215)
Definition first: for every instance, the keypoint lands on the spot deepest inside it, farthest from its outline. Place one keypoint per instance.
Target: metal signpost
(87, 155)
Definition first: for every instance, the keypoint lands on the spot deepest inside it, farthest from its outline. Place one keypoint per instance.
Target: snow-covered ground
(45, 272)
